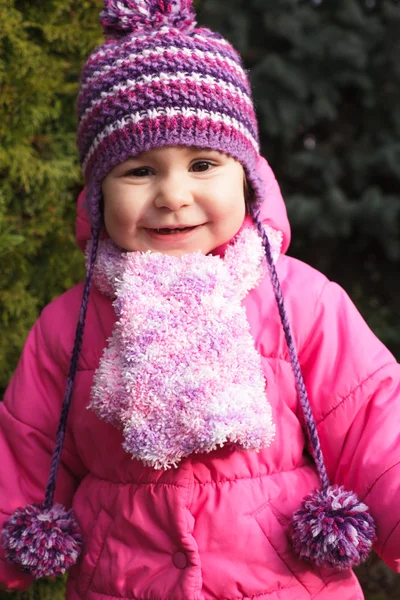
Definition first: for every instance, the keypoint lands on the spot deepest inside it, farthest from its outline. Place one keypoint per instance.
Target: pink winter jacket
(216, 527)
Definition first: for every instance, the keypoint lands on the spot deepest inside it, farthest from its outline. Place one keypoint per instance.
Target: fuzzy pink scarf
(180, 373)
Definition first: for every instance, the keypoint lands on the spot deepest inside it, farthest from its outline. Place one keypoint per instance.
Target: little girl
(227, 426)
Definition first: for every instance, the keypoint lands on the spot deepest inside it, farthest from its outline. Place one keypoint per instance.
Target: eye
(200, 166)
(139, 172)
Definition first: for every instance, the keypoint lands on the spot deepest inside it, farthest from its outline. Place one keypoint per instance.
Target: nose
(173, 192)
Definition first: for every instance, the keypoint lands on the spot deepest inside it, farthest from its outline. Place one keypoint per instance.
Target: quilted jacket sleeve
(354, 386)
(29, 418)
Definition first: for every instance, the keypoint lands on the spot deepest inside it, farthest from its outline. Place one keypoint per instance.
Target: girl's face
(174, 200)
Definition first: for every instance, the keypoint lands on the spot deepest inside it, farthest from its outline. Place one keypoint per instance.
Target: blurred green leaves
(42, 46)
(326, 82)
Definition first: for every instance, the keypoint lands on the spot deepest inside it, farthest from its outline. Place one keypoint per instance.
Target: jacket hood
(272, 212)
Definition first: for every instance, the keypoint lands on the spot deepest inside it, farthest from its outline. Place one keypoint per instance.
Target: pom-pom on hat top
(158, 81)
(122, 17)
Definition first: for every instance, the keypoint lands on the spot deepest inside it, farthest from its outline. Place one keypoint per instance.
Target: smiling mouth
(167, 231)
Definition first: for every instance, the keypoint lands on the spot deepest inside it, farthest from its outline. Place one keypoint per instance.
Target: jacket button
(180, 560)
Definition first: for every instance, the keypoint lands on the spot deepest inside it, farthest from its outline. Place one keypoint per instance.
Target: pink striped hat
(158, 80)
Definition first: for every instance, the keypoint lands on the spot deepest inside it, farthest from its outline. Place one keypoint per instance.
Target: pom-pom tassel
(121, 17)
(333, 528)
(43, 542)
(45, 539)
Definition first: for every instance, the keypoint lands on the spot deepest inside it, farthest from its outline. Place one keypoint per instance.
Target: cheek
(120, 211)
(232, 203)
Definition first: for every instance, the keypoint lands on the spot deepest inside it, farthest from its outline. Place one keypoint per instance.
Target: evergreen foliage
(42, 47)
(326, 80)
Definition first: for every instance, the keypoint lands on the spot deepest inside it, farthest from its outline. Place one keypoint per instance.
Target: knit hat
(158, 81)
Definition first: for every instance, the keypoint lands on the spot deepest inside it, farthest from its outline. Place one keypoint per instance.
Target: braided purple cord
(300, 385)
(55, 462)
(45, 540)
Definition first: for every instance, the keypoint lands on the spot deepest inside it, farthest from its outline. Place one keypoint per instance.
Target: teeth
(171, 231)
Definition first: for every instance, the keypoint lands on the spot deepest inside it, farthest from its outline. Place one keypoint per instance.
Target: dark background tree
(326, 79)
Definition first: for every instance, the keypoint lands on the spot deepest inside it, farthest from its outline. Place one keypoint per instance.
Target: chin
(178, 252)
